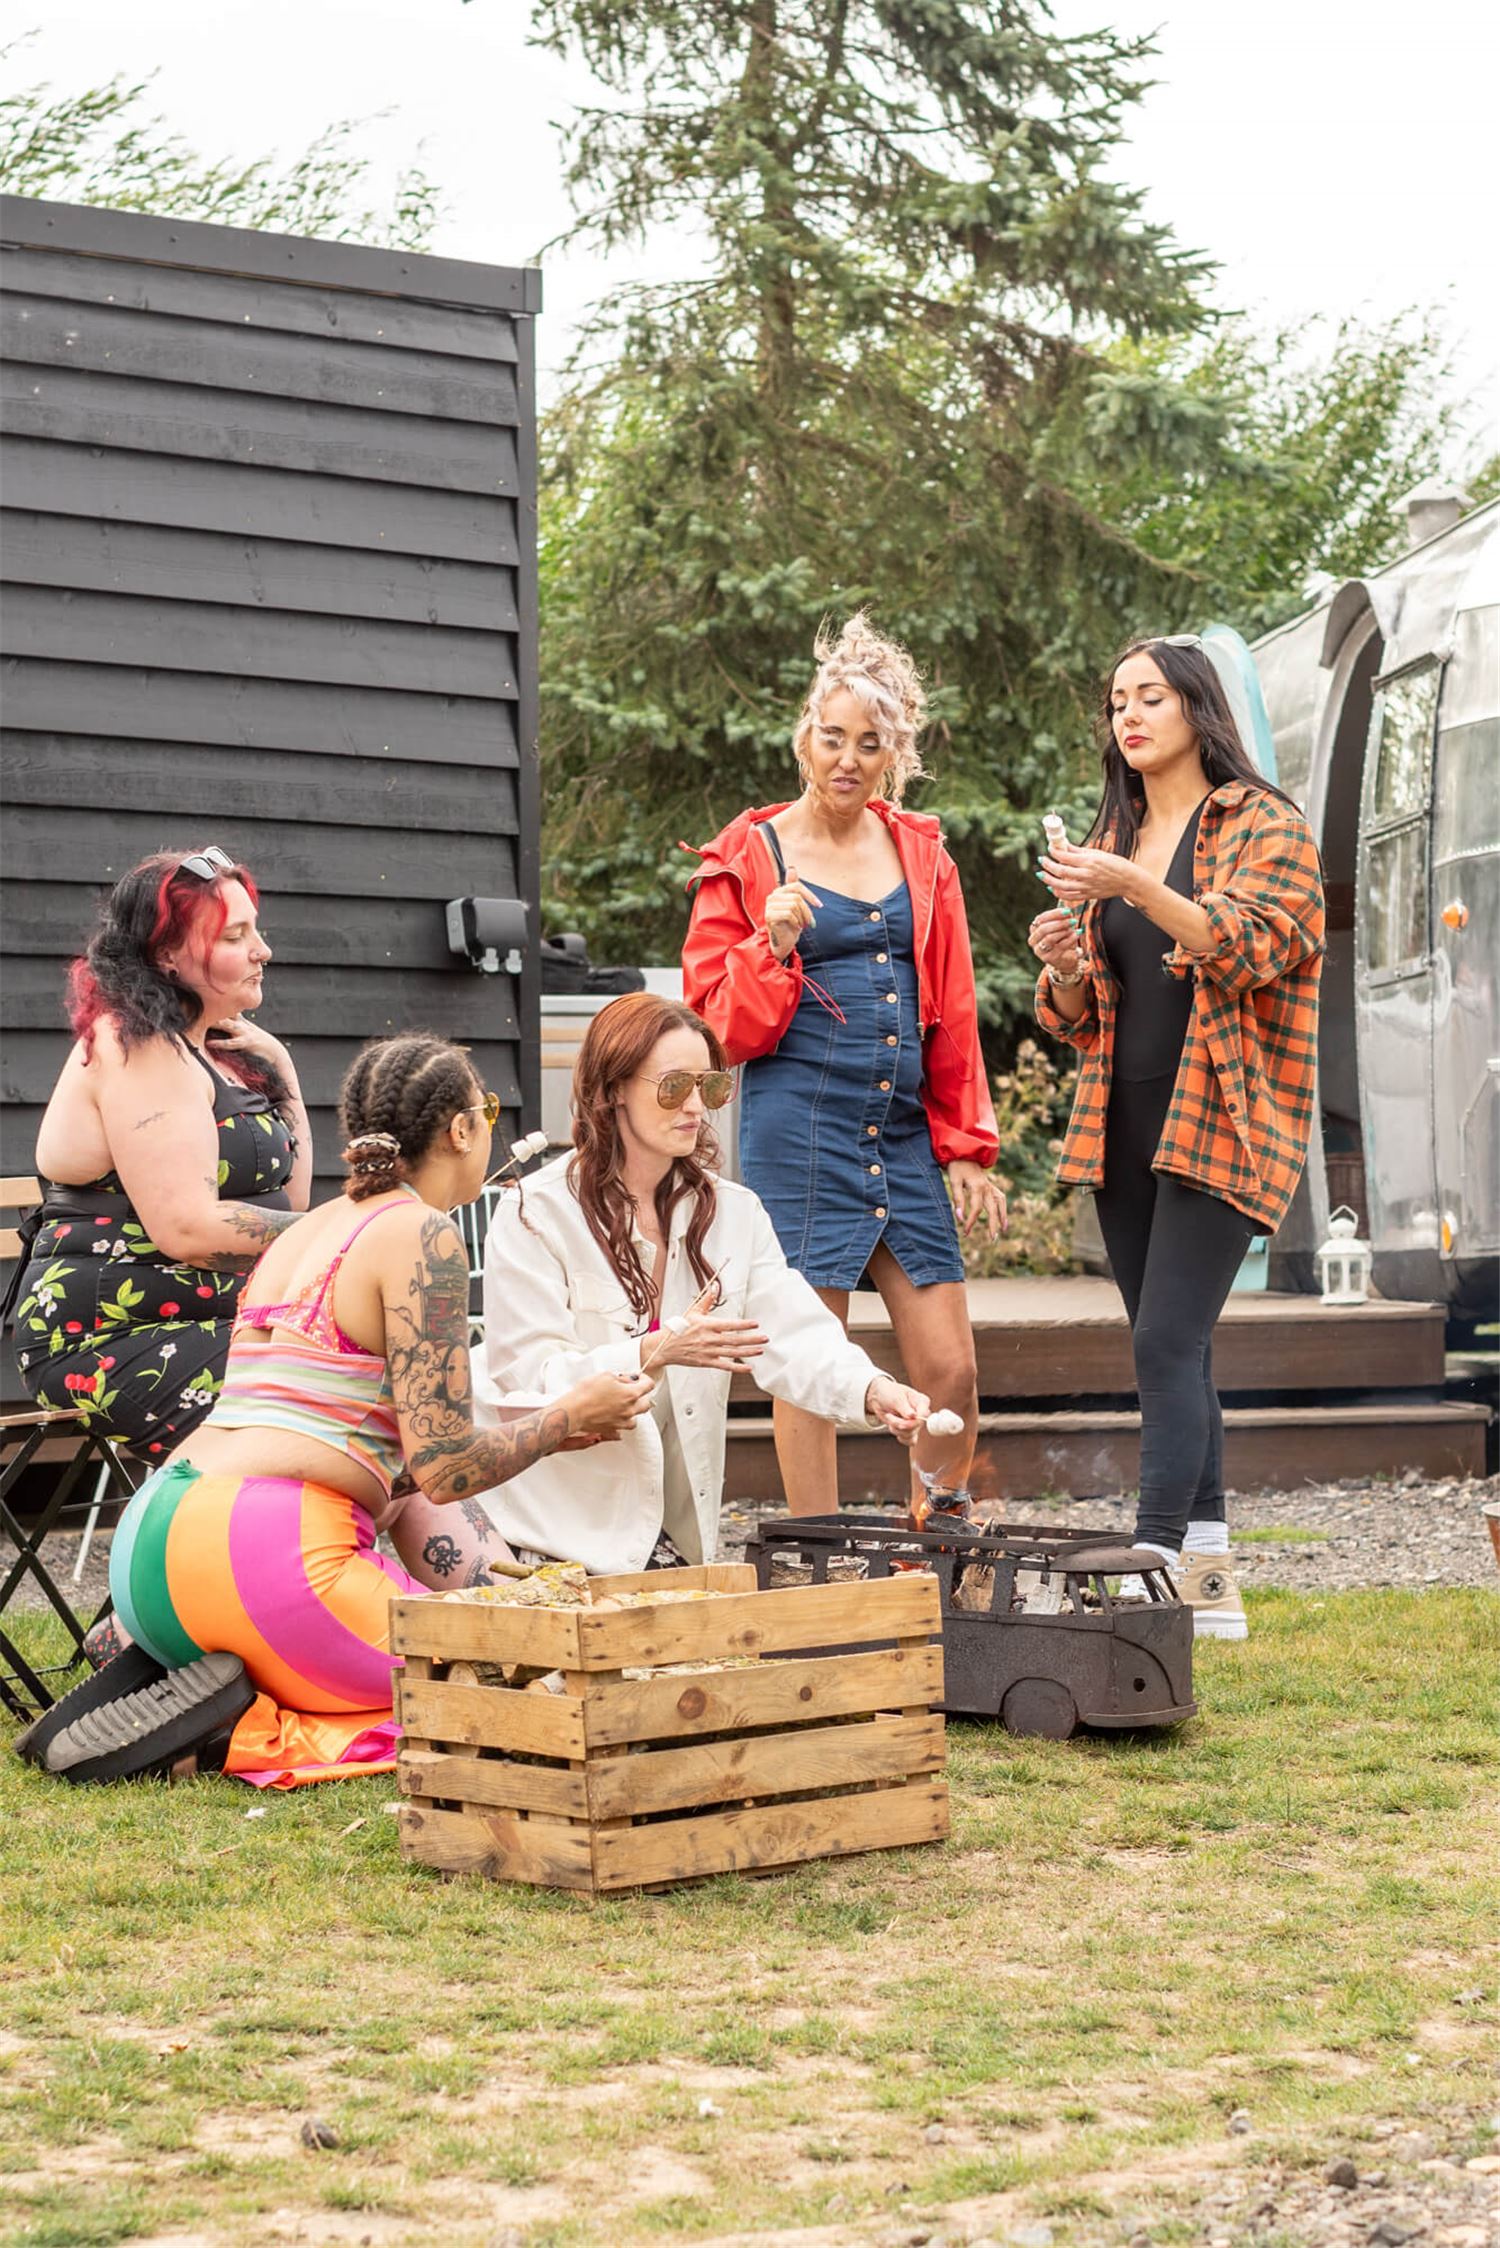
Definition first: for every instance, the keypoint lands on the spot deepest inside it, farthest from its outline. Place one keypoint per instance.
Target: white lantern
(1344, 1261)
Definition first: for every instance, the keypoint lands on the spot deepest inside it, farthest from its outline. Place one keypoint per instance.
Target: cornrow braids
(397, 1096)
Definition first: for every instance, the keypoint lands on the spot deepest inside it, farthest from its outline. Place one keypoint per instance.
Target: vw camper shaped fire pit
(1032, 1632)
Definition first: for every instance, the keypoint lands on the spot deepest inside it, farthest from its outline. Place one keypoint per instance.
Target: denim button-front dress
(833, 1135)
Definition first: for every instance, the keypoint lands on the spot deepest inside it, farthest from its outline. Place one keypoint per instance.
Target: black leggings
(1174, 1252)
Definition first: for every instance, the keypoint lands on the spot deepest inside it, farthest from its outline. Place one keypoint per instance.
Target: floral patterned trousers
(106, 1330)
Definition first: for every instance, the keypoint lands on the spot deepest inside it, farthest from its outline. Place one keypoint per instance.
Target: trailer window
(1466, 813)
(1408, 717)
(1396, 898)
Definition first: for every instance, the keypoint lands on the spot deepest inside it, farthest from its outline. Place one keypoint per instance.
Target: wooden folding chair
(29, 1437)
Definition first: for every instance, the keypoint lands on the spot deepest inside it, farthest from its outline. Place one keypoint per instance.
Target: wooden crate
(631, 1782)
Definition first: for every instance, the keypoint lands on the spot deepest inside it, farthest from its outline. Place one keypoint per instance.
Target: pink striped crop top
(292, 1366)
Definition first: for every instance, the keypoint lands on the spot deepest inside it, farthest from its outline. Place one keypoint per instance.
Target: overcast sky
(1332, 156)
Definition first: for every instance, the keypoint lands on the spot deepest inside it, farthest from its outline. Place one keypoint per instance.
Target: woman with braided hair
(244, 1570)
(829, 952)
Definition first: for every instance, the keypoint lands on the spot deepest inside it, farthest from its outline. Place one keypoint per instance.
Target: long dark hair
(617, 1042)
(1189, 671)
(154, 909)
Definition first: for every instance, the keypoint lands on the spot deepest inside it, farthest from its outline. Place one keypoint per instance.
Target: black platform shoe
(180, 1722)
(130, 1670)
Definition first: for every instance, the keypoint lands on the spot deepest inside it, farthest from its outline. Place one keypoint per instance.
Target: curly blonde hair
(886, 681)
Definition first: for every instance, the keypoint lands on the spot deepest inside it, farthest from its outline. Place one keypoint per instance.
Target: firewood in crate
(728, 1730)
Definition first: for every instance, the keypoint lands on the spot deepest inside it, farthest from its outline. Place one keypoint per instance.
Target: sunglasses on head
(491, 1107)
(1179, 640)
(673, 1088)
(207, 864)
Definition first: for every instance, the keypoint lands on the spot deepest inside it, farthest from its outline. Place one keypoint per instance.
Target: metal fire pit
(1032, 1633)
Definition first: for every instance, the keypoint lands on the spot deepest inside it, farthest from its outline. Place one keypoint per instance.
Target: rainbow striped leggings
(285, 1575)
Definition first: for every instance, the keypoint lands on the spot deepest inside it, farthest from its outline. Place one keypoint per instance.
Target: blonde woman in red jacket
(829, 950)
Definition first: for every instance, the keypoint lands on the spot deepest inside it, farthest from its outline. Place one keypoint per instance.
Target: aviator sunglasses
(673, 1088)
(490, 1106)
(207, 864)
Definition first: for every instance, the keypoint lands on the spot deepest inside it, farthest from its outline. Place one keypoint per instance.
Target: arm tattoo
(427, 1349)
(154, 1118)
(257, 1228)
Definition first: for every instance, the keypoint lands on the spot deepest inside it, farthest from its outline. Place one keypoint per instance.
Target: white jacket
(554, 1311)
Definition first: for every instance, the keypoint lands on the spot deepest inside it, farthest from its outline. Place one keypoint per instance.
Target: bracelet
(1064, 983)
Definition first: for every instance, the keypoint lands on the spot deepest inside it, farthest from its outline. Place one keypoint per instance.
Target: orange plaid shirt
(1242, 1108)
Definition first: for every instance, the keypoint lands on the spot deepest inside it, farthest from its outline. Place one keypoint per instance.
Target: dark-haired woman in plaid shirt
(1182, 960)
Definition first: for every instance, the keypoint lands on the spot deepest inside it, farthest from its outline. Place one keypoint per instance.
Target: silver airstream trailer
(1383, 709)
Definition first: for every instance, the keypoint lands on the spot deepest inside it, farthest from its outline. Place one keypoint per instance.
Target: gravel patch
(1405, 1533)
(1424, 2184)
(1363, 1534)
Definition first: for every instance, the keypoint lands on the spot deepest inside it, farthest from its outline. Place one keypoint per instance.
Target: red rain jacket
(732, 978)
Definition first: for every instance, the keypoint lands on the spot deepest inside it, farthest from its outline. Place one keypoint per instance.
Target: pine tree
(914, 269)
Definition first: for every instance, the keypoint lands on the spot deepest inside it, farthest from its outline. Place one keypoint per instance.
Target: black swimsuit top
(256, 1154)
(1154, 1008)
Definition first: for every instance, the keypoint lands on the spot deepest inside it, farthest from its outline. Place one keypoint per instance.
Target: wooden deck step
(1067, 1337)
(1091, 1455)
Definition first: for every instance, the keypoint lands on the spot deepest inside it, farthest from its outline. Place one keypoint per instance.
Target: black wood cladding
(268, 562)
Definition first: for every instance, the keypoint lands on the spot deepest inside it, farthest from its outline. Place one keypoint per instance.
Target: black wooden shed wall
(268, 579)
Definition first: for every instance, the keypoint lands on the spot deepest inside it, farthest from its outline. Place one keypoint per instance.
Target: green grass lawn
(1287, 1907)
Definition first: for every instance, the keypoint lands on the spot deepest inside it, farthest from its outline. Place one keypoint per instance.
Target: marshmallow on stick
(944, 1423)
(1054, 827)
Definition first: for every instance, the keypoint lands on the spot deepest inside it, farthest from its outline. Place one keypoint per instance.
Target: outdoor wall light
(490, 932)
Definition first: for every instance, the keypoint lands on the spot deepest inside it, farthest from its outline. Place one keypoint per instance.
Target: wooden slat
(32, 1061)
(452, 1631)
(501, 1845)
(712, 1576)
(188, 781)
(147, 634)
(307, 929)
(21, 1120)
(282, 854)
(19, 1191)
(1045, 1338)
(201, 424)
(235, 357)
(773, 1835)
(761, 1623)
(781, 1693)
(91, 231)
(765, 1764)
(1098, 1454)
(335, 316)
(365, 722)
(490, 1717)
(558, 1791)
(252, 501)
(82, 554)
(303, 1001)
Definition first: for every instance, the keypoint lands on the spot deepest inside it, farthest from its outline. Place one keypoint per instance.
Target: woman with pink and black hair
(174, 1148)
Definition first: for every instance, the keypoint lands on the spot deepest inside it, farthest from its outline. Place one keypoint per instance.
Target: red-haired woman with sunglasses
(631, 1256)
(174, 1148)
